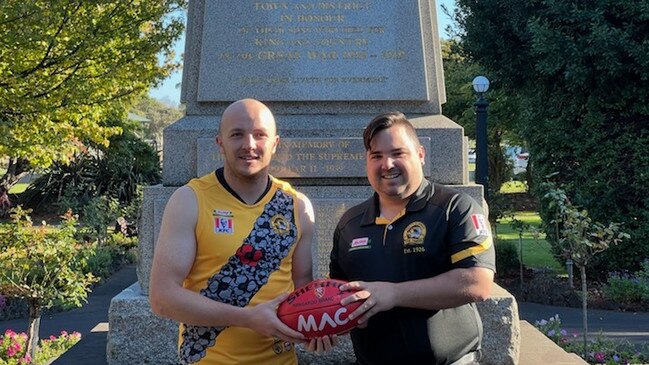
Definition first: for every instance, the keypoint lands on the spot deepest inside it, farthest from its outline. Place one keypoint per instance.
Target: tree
(579, 71)
(160, 115)
(43, 265)
(68, 65)
(579, 238)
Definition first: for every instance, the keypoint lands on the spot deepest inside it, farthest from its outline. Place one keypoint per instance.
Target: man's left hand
(379, 296)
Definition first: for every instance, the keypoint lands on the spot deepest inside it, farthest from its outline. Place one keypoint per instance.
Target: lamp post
(481, 85)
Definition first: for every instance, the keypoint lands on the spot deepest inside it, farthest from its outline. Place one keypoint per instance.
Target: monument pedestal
(137, 336)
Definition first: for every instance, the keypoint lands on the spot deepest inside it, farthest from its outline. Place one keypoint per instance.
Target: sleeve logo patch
(480, 225)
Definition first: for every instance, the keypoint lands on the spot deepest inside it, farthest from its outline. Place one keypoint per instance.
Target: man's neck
(249, 189)
(391, 208)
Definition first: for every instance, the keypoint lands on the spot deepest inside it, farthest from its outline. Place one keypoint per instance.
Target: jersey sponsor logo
(280, 224)
(414, 234)
(223, 221)
(480, 225)
(359, 243)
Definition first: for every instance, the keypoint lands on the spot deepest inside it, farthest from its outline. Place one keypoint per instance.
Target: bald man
(232, 244)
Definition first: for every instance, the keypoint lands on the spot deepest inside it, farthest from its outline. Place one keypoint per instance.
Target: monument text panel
(312, 50)
(304, 157)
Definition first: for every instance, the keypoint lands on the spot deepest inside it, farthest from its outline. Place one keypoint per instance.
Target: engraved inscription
(327, 214)
(304, 157)
(306, 43)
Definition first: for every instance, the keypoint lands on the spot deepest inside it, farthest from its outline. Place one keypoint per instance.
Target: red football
(315, 311)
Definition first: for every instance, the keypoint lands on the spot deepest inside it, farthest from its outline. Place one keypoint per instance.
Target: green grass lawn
(536, 252)
(513, 187)
(16, 189)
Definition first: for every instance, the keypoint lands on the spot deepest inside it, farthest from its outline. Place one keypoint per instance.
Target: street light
(481, 85)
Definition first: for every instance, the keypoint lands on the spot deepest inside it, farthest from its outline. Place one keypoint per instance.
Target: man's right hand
(263, 319)
(322, 344)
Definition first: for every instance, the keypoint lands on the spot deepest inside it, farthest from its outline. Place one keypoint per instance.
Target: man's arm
(173, 258)
(450, 289)
(302, 255)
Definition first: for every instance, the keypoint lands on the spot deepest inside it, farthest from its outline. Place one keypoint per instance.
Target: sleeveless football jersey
(243, 258)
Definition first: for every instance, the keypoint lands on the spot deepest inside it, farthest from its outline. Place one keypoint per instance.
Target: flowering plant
(13, 347)
(600, 349)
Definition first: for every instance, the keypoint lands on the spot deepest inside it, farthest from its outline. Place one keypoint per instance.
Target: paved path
(92, 321)
(632, 326)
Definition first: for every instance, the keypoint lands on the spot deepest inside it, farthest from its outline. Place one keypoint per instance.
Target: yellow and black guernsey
(440, 229)
(243, 258)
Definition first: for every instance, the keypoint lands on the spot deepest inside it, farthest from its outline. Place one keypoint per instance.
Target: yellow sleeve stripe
(472, 251)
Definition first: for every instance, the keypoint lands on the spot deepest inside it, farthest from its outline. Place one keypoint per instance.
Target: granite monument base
(137, 336)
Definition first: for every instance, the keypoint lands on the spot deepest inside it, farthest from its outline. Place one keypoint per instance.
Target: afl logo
(414, 234)
(280, 225)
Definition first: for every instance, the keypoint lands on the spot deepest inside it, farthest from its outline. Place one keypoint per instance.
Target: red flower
(249, 255)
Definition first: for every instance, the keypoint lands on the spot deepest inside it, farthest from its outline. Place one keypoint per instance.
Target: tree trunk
(17, 168)
(34, 326)
(497, 163)
(584, 307)
(529, 175)
(520, 260)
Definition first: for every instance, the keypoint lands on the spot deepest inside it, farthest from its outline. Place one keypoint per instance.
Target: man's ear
(422, 155)
(219, 142)
(275, 144)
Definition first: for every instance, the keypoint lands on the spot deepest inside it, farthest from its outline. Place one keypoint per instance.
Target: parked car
(471, 155)
(520, 162)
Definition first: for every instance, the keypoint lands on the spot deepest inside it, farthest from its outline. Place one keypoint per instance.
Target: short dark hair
(385, 121)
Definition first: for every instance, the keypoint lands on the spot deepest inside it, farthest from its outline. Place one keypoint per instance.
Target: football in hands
(315, 311)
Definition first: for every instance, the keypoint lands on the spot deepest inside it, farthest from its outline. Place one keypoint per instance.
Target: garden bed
(544, 287)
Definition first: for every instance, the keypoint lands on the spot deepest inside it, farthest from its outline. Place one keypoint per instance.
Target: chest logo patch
(280, 224)
(480, 225)
(359, 244)
(223, 221)
(414, 234)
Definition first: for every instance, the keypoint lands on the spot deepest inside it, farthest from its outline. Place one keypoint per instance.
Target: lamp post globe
(481, 85)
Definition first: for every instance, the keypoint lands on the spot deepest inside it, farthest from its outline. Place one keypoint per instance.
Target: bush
(114, 172)
(105, 259)
(627, 289)
(101, 261)
(12, 308)
(546, 288)
(507, 261)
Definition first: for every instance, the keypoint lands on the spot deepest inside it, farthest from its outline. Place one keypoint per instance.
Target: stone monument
(325, 69)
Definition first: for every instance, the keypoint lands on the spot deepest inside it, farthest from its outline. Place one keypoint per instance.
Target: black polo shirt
(440, 229)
